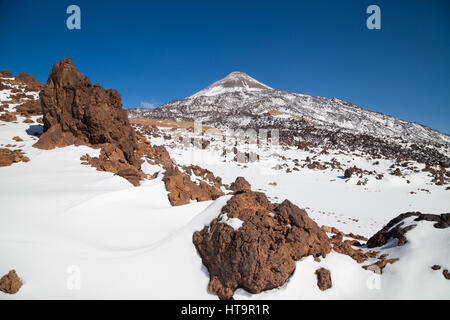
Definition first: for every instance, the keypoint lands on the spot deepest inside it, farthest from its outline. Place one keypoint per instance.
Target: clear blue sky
(156, 51)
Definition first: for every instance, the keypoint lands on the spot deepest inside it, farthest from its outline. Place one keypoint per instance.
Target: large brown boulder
(10, 283)
(261, 253)
(77, 112)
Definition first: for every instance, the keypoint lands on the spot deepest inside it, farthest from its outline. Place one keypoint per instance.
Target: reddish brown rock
(10, 283)
(261, 254)
(182, 189)
(378, 266)
(8, 116)
(240, 185)
(24, 77)
(346, 247)
(132, 175)
(203, 174)
(29, 81)
(77, 112)
(30, 108)
(8, 157)
(323, 279)
(17, 138)
(5, 74)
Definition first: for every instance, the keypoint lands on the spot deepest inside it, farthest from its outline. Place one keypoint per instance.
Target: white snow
(235, 223)
(72, 232)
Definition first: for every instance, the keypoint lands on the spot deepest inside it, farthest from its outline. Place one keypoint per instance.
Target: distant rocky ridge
(239, 101)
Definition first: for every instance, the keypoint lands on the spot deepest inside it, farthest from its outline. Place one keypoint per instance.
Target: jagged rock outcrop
(323, 279)
(261, 254)
(10, 283)
(77, 112)
(395, 229)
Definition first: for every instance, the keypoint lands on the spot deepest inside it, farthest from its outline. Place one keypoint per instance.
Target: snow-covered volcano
(234, 82)
(239, 101)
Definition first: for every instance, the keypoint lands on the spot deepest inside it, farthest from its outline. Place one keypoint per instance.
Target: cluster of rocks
(305, 134)
(23, 88)
(445, 272)
(440, 175)
(8, 157)
(182, 189)
(347, 246)
(75, 112)
(260, 253)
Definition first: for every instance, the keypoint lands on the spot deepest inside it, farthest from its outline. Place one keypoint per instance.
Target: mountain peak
(236, 81)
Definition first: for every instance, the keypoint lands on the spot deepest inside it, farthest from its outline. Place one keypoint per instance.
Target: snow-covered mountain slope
(102, 230)
(72, 232)
(239, 101)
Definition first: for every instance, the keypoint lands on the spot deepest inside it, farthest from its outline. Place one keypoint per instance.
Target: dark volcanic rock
(261, 254)
(323, 279)
(348, 173)
(446, 274)
(395, 230)
(436, 267)
(10, 283)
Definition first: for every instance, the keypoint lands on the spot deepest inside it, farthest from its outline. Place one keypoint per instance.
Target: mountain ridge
(239, 101)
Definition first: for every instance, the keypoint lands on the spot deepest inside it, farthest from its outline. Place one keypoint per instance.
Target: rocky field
(99, 206)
